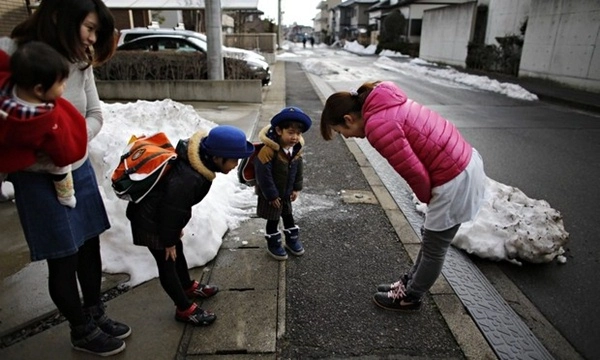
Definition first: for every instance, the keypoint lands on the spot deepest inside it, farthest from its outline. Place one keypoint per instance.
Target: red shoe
(202, 291)
(195, 316)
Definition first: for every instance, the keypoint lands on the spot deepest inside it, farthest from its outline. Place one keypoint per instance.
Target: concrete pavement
(251, 306)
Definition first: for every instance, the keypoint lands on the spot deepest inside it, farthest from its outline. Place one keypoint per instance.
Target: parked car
(127, 35)
(181, 43)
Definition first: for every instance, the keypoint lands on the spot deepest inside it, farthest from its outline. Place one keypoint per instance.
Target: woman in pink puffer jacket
(441, 167)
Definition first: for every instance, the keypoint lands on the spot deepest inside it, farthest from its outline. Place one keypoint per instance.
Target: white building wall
(562, 42)
(446, 33)
(172, 18)
(505, 17)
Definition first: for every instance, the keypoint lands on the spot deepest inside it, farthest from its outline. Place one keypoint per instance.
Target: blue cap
(228, 142)
(292, 113)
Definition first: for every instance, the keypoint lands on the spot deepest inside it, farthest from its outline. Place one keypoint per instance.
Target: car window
(143, 44)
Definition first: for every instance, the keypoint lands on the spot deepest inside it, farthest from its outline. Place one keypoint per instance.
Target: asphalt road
(549, 152)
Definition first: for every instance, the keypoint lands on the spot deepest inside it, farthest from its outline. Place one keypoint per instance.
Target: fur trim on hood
(193, 153)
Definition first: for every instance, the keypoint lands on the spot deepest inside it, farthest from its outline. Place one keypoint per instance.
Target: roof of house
(352, 2)
(178, 4)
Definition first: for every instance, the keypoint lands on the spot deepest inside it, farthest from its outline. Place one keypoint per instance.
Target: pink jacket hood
(423, 147)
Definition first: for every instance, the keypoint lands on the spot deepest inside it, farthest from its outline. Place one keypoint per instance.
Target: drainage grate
(508, 336)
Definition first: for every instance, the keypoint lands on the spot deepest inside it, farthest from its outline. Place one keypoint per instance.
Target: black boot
(292, 240)
(111, 327)
(89, 338)
(274, 246)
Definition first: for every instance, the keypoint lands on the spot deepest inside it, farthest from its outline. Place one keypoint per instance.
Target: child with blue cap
(279, 168)
(158, 220)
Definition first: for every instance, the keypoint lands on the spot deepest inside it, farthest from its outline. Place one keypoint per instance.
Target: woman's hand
(171, 252)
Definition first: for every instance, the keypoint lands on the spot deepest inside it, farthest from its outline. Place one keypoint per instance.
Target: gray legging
(430, 260)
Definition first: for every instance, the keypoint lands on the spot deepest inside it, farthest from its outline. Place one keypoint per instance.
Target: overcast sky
(294, 11)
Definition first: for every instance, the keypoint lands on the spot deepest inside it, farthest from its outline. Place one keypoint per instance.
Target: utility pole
(279, 25)
(214, 37)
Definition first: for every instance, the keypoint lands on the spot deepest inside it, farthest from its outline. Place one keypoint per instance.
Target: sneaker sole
(124, 336)
(277, 257)
(202, 323)
(107, 353)
(406, 309)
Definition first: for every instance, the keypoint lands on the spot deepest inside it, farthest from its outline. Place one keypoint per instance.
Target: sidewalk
(251, 305)
(247, 305)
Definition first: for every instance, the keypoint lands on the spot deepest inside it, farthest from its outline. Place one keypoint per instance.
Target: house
(560, 38)
(138, 13)
(324, 30)
(412, 12)
(247, 21)
(12, 12)
(351, 19)
(320, 22)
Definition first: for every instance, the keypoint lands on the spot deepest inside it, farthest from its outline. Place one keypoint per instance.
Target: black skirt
(266, 211)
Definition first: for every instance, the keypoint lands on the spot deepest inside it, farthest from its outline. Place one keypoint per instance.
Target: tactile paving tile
(506, 333)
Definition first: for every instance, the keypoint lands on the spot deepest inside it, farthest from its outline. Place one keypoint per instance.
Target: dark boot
(274, 246)
(292, 240)
(89, 338)
(111, 327)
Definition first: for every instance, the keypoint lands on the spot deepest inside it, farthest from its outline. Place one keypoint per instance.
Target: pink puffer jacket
(423, 147)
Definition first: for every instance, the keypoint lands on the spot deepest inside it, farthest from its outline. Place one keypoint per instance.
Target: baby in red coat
(39, 131)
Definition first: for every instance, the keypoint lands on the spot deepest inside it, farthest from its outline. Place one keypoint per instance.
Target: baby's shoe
(65, 191)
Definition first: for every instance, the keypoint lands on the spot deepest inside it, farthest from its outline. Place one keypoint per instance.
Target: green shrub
(139, 65)
(504, 59)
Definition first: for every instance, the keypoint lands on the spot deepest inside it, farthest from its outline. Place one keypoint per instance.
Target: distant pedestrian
(158, 220)
(304, 41)
(441, 167)
(41, 132)
(279, 176)
(312, 41)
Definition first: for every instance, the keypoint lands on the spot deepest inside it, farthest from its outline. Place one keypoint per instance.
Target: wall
(446, 33)
(12, 12)
(262, 42)
(245, 91)
(505, 17)
(562, 43)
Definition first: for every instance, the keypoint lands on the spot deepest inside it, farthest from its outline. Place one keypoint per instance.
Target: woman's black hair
(27, 70)
(58, 24)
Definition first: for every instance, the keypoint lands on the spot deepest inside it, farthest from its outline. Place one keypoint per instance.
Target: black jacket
(157, 220)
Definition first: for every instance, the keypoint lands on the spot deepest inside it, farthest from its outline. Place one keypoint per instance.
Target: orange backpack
(145, 160)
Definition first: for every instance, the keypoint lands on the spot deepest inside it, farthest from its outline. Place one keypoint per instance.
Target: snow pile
(419, 67)
(226, 205)
(511, 226)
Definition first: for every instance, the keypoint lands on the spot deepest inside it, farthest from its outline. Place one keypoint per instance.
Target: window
(415, 27)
